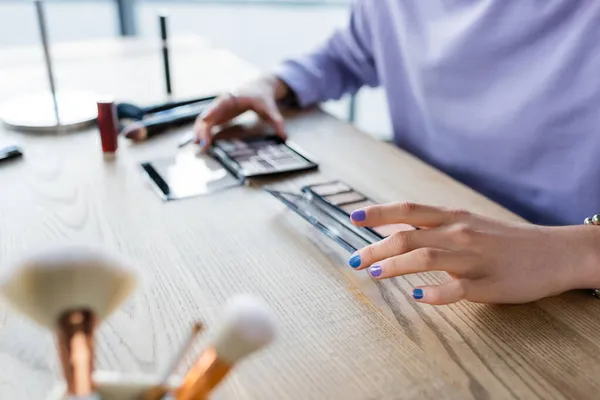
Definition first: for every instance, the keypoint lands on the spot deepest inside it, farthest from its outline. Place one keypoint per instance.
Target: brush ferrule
(203, 377)
(76, 349)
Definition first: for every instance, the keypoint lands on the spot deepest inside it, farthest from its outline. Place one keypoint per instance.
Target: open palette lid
(188, 174)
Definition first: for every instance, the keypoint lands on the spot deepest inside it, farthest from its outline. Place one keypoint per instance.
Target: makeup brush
(249, 325)
(163, 120)
(112, 385)
(158, 391)
(70, 290)
(135, 112)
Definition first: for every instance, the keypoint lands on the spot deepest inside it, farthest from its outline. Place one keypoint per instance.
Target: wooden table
(341, 335)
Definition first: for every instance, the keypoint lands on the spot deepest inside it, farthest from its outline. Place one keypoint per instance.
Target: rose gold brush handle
(76, 349)
(160, 392)
(203, 377)
(248, 326)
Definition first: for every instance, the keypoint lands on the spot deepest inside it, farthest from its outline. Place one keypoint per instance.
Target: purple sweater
(503, 95)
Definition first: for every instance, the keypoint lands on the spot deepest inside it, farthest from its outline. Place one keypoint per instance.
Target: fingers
(203, 131)
(422, 260)
(446, 293)
(270, 113)
(407, 213)
(228, 107)
(400, 243)
(222, 110)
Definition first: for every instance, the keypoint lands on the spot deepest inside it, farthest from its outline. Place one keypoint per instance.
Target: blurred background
(260, 31)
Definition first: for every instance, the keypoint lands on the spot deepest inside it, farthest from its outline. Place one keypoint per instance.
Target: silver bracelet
(595, 220)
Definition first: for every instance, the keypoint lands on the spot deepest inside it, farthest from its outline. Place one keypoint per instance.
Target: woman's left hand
(488, 261)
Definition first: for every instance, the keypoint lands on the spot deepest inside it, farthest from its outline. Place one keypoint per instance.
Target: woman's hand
(488, 261)
(259, 96)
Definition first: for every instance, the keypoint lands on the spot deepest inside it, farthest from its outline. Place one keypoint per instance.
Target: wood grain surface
(342, 336)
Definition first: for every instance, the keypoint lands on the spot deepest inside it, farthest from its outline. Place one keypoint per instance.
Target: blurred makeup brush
(70, 290)
(162, 120)
(157, 392)
(249, 325)
(135, 112)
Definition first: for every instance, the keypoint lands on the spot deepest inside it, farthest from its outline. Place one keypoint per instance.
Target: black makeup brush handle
(170, 105)
(154, 128)
(130, 111)
(137, 113)
(166, 119)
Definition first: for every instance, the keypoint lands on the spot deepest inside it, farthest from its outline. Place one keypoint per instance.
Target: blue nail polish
(358, 215)
(354, 261)
(418, 294)
(375, 271)
(202, 143)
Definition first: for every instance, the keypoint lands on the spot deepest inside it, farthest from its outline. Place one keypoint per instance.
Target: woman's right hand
(260, 96)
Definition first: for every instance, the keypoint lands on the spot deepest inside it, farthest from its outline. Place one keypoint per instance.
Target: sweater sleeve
(343, 64)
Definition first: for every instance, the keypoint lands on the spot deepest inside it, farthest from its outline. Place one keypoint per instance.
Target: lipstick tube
(108, 126)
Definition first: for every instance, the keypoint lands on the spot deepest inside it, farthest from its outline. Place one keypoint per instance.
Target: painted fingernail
(354, 261)
(202, 143)
(418, 294)
(358, 215)
(375, 271)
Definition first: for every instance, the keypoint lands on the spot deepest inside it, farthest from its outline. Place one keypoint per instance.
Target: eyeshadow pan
(260, 144)
(285, 161)
(327, 189)
(227, 146)
(241, 153)
(346, 197)
(349, 208)
(239, 144)
(276, 148)
(263, 163)
(387, 230)
(262, 156)
(243, 158)
(279, 154)
(263, 153)
(249, 167)
(280, 157)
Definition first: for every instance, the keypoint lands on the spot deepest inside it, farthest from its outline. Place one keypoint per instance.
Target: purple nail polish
(375, 271)
(358, 215)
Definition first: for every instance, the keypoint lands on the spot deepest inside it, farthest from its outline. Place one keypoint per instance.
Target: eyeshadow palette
(327, 206)
(230, 163)
(260, 156)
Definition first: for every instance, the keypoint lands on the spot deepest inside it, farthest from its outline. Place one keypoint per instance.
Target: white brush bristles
(67, 278)
(248, 325)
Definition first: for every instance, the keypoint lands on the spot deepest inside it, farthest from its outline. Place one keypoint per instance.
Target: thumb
(446, 293)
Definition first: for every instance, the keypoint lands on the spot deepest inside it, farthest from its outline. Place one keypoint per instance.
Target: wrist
(280, 89)
(588, 270)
